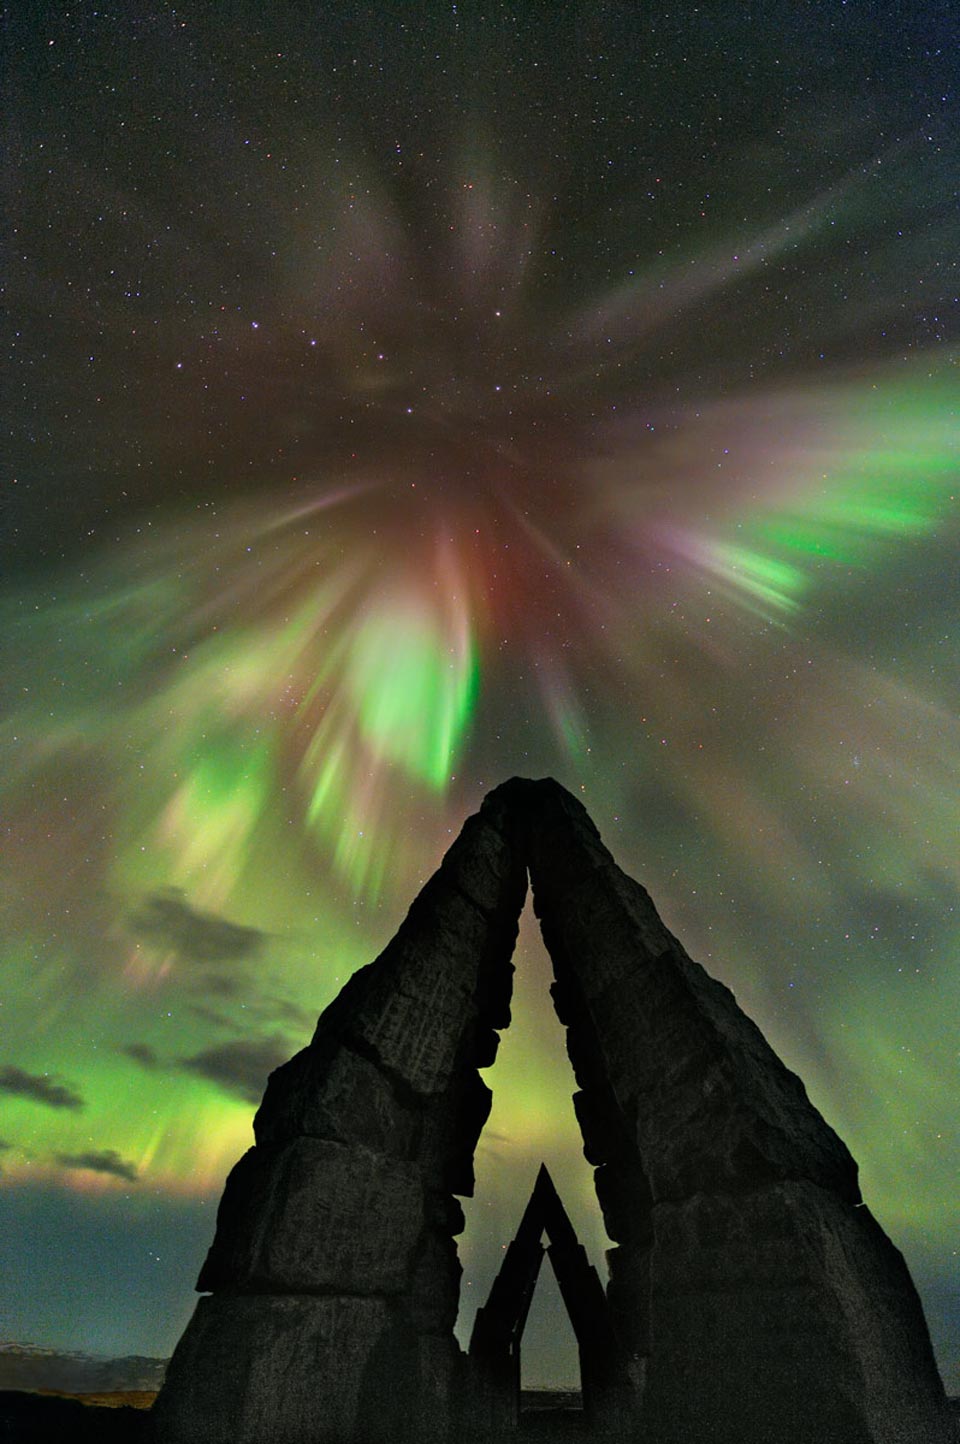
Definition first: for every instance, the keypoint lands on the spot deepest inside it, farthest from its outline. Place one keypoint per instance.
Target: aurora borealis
(401, 398)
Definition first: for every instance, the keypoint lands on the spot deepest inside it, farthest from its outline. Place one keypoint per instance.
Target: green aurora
(399, 409)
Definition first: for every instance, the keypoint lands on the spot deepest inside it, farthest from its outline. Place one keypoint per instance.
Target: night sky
(402, 397)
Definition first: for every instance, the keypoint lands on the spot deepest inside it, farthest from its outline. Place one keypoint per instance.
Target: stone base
(261, 1369)
(785, 1317)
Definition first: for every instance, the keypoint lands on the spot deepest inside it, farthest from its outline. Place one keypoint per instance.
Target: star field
(400, 399)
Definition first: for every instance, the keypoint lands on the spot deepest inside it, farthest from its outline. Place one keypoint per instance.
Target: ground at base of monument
(566, 1426)
(548, 1414)
(534, 1401)
(48, 1418)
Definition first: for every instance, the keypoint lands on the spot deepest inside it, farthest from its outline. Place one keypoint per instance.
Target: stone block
(421, 1002)
(313, 1215)
(714, 1108)
(453, 1123)
(435, 1285)
(785, 1315)
(285, 1370)
(441, 1380)
(602, 922)
(329, 1091)
(485, 864)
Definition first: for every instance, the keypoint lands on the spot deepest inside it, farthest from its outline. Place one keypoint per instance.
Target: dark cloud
(909, 925)
(40, 1087)
(209, 1015)
(260, 1010)
(105, 1160)
(142, 1053)
(166, 920)
(241, 1067)
(288, 1012)
(221, 985)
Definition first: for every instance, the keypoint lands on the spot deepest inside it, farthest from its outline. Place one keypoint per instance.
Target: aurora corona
(395, 444)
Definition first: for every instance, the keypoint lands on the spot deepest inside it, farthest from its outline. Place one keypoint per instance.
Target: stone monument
(752, 1297)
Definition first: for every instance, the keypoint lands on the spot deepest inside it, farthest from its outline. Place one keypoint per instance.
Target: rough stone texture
(285, 1369)
(341, 1219)
(803, 1300)
(754, 1298)
(317, 1217)
(709, 1102)
(760, 1301)
(336, 1094)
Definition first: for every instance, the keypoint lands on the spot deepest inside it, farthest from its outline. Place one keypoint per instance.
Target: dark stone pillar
(763, 1300)
(333, 1277)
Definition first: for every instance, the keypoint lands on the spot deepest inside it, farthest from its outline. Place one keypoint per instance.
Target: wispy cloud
(40, 1087)
(241, 1067)
(143, 1054)
(105, 1160)
(166, 920)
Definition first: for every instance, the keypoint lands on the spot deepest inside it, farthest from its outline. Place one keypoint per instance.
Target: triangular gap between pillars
(532, 1121)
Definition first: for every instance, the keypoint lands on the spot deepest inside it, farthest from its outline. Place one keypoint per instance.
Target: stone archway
(606, 1385)
(751, 1292)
